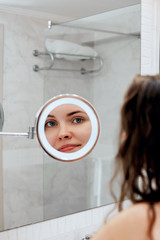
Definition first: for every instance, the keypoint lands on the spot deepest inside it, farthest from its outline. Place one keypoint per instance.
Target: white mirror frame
(51, 105)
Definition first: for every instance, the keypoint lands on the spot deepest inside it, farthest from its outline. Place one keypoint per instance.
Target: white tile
(87, 231)
(88, 218)
(66, 236)
(81, 220)
(12, 234)
(73, 222)
(61, 225)
(36, 231)
(4, 236)
(68, 224)
(45, 230)
(54, 227)
(25, 233)
(97, 216)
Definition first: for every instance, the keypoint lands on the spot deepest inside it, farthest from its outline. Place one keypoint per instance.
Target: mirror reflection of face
(68, 128)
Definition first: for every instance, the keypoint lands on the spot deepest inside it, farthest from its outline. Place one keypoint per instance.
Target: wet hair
(138, 152)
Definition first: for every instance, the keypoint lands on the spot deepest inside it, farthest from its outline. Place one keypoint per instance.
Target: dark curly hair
(139, 144)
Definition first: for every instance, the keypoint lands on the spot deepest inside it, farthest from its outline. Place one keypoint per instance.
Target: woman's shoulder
(131, 223)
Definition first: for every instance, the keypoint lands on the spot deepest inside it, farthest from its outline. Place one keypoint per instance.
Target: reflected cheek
(83, 134)
(51, 137)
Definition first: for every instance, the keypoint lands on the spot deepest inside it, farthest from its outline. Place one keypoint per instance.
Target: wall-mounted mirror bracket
(30, 134)
(66, 126)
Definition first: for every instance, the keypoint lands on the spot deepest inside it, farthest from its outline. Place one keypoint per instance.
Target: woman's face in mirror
(68, 128)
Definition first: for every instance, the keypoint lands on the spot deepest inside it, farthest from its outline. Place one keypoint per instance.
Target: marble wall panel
(22, 97)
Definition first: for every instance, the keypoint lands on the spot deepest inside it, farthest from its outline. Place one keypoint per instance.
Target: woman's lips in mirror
(68, 147)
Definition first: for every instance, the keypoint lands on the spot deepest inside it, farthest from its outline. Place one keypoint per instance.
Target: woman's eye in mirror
(78, 120)
(68, 128)
(50, 123)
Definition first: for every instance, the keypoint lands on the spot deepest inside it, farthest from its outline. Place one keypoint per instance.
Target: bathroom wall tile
(12, 234)
(68, 224)
(36, 230)
(87, 231)
(54, 227)
(4, 236)
(97, 216)
(81, 219)
(24, 233)
(45, 230)
(66, 236)
(61, 225)
(88, 218)
(73, 221)
(150, 37)
(62, 228)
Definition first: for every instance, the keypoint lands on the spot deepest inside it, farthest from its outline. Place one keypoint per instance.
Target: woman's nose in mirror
(68, 128)
(64, 132)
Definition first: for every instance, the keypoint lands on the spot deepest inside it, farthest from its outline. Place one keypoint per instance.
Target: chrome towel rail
(53, 57)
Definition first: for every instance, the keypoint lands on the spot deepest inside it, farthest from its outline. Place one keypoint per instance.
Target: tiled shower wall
(76, 226)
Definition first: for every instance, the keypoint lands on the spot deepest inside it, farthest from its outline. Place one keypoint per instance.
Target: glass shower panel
(114, 38)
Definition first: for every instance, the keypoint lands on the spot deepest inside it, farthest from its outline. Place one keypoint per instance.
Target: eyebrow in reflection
(50, 115)
(69, 114)
(72, 113)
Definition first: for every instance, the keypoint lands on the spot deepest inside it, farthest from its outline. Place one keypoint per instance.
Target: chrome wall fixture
(30, 134)
(66, 150)
(134, 34)
(96, 59)
(83, 71)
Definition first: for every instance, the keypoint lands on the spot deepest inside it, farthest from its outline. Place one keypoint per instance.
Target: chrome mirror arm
(30, 134)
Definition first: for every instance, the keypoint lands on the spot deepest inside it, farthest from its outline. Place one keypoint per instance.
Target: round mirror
(67, 127)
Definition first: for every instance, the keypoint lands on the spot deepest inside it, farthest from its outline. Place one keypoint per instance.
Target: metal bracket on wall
(30, 134)
(83, 71)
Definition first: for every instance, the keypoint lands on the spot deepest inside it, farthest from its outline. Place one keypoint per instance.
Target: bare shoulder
(131, 224)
